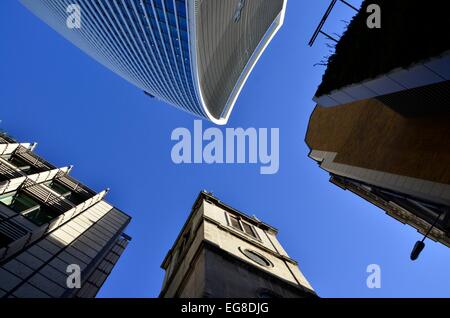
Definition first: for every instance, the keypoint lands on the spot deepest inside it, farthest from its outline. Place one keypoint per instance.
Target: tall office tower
(193, 54)
(54, 231)
(382, 124)
(223, 253)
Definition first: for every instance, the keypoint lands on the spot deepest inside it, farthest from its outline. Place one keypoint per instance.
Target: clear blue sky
(80, 113)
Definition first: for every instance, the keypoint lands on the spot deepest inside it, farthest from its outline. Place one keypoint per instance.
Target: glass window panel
(41, 215)
(248, 229)
(259, 259)
(7, 199)
(22, 202)
(59, 188)
(235, 222)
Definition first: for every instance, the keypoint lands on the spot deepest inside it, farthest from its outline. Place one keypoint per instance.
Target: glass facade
(195, 55)
(146, 42)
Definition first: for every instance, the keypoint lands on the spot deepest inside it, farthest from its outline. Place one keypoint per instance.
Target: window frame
(53, 184)
(241, 228)
(265, 261)
(38, 207)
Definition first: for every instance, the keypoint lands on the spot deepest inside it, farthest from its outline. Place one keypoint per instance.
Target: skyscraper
(54, 231)
(381, 127)
(196, 55)
(223, 253)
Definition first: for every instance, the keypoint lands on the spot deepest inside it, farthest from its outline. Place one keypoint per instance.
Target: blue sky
(80, 113)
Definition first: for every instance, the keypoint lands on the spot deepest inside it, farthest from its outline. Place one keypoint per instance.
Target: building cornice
(208, 197)
(205, 244)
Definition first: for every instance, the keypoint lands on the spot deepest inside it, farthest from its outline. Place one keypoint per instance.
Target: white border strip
(192, 13)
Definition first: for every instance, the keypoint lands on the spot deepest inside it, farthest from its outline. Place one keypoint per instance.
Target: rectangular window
(59, 188)
(19, 163)
(74, 197)
(248, 229)
(24, 166)
(20, 202)
(40, 215)
(29, 207)
(237, 223)
(234, 221)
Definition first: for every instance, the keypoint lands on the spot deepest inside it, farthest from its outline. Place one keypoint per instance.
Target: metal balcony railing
(5, 139)
(76, 186)
(46, 197)
(7, 173)
(30, 157)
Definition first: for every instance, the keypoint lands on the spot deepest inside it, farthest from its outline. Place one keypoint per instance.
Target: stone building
(223, 253)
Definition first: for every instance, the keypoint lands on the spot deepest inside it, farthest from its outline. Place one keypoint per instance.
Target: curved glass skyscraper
(194, 54)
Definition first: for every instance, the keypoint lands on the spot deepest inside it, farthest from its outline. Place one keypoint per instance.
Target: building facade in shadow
(381, 127)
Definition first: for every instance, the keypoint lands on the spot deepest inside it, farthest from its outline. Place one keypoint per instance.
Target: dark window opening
(7, 172)
(29, 207)
(74, 197)
(23, 165)
(4, 240)
(59, 188)
(235, 222)
(248, 229)
(184, 242)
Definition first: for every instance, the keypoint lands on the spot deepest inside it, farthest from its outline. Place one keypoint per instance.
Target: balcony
(29, 207)
(75, 195)
(8, 173)
(5, 139)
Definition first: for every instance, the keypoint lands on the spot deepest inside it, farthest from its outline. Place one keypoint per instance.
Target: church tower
(223, 253)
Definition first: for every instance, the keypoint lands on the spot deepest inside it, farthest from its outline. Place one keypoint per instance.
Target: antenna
(324, 19)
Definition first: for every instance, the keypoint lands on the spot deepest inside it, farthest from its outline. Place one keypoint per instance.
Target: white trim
(8, 149)
(192, 13)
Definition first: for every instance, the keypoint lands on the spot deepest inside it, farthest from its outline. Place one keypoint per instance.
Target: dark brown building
(381, 127)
